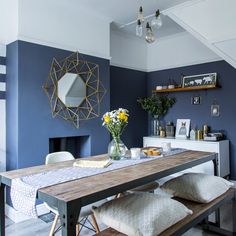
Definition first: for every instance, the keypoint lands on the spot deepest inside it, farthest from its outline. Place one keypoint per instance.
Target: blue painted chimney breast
(29, 121)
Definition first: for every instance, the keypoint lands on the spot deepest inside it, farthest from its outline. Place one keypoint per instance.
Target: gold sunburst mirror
(74, 89)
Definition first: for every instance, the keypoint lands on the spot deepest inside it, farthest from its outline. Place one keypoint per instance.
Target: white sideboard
(220, 147)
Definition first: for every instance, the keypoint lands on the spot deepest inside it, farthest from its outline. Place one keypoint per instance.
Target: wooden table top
(13, 174)
(116, 180)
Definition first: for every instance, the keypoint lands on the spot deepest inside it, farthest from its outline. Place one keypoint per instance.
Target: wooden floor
(38, 227)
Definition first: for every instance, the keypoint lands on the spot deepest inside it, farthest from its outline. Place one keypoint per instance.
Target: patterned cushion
(197, 187)
(141, 214)
(150, 187)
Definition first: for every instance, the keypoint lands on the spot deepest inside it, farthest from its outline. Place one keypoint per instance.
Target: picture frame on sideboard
(182, 128)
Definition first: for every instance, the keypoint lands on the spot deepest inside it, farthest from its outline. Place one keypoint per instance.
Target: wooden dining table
(70, 196)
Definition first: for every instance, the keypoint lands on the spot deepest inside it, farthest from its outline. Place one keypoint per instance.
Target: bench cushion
(141, 214)
(150, 187)
(197, 187)
(200, 211)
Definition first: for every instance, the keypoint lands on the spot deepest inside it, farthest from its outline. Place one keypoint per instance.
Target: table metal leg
(2, 209)
(215, 162)
(69, 214)
(217, 217)
(216, 173)
(234, 213)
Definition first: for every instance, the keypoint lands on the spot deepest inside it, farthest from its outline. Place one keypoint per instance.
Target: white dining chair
(85, 212)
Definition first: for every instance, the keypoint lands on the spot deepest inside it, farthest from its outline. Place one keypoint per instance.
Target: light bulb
(140, 15)
(156, 21)
(139, 29)
(149, 34)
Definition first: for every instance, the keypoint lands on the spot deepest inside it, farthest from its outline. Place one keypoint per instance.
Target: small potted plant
(157, 106)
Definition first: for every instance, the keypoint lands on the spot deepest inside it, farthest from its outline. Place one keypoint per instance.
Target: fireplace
(78, 146)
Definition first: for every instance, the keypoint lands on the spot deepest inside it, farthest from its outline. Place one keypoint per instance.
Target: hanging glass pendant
(139, 29)
(156, 21)
(140, 15)
(149, 34)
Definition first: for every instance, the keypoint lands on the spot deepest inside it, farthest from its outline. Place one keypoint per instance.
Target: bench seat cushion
(141, 214)
(200, 211)
(197, 187)
(150, 187)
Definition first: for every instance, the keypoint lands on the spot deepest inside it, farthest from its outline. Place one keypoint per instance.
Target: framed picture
(200, 80)
(182, 128)
(196, 100)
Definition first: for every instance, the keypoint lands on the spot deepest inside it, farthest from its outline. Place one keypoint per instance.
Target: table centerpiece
(115, 121)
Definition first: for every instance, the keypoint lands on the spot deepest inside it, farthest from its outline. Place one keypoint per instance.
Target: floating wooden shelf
(186, 89)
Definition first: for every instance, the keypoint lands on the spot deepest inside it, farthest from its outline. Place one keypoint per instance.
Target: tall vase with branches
(157, 106)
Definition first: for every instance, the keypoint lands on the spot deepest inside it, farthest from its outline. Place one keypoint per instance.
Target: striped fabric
(2, 107)
(2, 71)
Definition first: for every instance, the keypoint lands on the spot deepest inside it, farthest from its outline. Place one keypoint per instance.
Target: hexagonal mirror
(71, 90)
(76, 94)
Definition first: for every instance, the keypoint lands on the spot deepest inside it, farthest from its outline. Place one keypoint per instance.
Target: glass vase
(155, 126)
(116, 149)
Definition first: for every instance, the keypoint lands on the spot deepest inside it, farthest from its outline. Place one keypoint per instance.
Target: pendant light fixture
(156, 23)
(140, 14)
(149, 34)
(139, 28)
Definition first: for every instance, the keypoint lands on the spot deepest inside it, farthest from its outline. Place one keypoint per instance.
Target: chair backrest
(58, 157)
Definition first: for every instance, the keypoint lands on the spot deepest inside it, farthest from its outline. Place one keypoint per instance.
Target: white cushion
(197, 187)
(141, 214)
(205, 168)
(87, 210)
(150, 187)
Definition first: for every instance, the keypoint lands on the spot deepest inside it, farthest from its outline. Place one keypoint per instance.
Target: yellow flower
(123, 116)
(107, 119)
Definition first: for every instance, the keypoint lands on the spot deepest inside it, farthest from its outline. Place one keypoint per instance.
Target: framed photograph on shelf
(182, 128)
(207, 80)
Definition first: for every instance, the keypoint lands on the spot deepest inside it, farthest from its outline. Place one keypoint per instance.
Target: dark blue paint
(126, 86)
(2, 60)
(2, 77)
(12, 106)
(29, 120)
(2, 95)
(200, 114)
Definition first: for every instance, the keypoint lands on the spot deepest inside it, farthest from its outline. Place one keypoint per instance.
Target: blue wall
(12, 107)
(126, 86)
(200, 114)
(29, 120)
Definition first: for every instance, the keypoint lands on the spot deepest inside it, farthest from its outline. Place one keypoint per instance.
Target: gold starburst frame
(89, 108)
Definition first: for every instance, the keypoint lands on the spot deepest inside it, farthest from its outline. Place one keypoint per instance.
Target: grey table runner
(24, 189)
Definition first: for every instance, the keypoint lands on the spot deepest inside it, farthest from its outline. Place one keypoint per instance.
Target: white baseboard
(17, 216)
(233, 181)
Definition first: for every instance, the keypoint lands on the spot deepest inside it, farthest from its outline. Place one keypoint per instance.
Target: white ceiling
(121, 12)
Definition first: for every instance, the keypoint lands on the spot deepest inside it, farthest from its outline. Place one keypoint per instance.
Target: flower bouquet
(116, 121)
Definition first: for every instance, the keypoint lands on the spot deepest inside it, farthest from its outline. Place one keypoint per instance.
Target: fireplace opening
(78, 146)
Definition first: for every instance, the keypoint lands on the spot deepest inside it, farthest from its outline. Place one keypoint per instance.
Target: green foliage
(157, 105)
